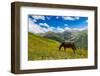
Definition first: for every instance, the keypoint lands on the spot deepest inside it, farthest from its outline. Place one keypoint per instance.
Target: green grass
(40, 48)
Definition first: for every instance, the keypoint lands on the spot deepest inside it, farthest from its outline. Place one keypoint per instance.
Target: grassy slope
(40, 48)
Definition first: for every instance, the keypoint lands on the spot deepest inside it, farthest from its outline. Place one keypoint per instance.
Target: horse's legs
(64, 48)
(73, 50)
(59, 48)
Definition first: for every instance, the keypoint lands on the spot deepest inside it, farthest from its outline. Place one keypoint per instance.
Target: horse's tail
(61, 45)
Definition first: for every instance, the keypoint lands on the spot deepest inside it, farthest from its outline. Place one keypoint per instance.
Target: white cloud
(48, 18)
(70, 18)
(80, 29)
(53, 28)
(77, 18)
(59, 29)
(84, 28)
(67, 28)
(44, 24)
(35, 28)
(39, 17)
(46, 29)
(34, 20)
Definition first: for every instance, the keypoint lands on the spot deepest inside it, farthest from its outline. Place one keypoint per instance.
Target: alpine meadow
(47, 35)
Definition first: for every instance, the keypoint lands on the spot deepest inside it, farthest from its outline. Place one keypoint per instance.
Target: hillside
(40, 48)
(79, 37)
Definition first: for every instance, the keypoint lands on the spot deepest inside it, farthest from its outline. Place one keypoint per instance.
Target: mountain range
(80, 38)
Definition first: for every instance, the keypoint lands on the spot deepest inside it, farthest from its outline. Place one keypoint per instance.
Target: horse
(68, 44)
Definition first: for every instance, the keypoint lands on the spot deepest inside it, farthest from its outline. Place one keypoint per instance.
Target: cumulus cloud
(59, 29)
(67, 28)
(80, 29)
(70, 18)
(48, 18)
(44, 24)
(84, 28)
(39, 17)
(36, 28)
(77, 18)
(34, 20)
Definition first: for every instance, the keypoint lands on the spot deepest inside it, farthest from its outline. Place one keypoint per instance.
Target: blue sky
(42, 24)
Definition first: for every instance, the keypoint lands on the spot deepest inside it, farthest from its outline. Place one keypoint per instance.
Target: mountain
(79, 37)
(53, 36)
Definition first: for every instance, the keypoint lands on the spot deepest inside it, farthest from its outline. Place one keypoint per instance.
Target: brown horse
(68, 44)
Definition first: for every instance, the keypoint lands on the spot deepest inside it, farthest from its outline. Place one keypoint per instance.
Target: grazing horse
(68, 44)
